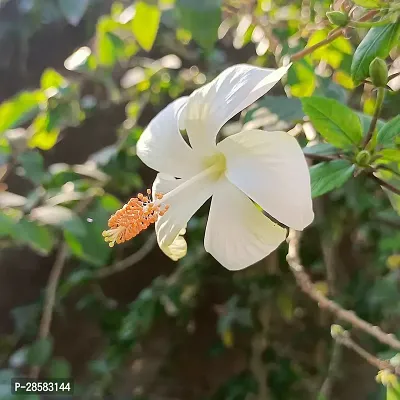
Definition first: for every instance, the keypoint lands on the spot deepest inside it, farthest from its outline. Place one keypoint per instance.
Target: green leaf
(287, 109)
(368, 3)
(59, 368)
(51, 79)
(36, 236)
(40, 352)
(388, 133)
(328, 176)
(202, 19)
(377, 43)
(60, 216)
(392, 155)
(393, 392)
(339, 125)
(33, 165)
(20, 109)
(145, 24)
(73, 10)
(320, 148)
(91, 247)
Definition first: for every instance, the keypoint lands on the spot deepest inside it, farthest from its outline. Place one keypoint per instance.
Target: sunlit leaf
(19, 109)
(338, 124)
(377, 43)
(145, 24)
(202, 19)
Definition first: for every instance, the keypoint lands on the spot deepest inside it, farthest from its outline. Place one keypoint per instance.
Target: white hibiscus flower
(266, 168)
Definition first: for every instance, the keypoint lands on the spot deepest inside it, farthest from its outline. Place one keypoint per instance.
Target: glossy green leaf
(377, 43)
(201, 19)
(389, 132)
(339, 125)
(40, 352)
(145, 24)
(320, 148)
(328, 176)
(73, 10)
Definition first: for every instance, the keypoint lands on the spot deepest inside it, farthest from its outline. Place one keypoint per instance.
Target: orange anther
(135, 216)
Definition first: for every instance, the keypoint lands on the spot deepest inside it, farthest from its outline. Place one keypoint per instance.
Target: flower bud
(378, 72)
(363, 158)
(338, 18)
(337, 331)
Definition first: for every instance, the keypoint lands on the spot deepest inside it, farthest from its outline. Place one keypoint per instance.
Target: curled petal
(237, 233)
(162, 147)
(214, 104)
(271, 169)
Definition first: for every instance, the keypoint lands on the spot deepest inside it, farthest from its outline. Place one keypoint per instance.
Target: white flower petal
(162, 147)
(237, 233)
(183, 200)
(212, 105)
(271, 169)
(177, 249)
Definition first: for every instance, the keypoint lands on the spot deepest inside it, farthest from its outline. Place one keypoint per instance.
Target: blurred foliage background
(79, 81)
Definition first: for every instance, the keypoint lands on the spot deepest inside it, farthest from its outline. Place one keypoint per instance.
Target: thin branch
(334, 366)
(345, 340)
(51, 288)
(337, 32)
(385, 184)
(129, 261)
(50, 300)
(305, 283)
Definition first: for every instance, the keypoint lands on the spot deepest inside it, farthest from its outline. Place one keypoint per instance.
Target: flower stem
(378, 108)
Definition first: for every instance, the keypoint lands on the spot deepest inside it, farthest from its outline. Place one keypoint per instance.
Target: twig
(50, 299)
(345, 340)
(304, 282)
(385, 184)
(51, 288)
(129, 261)
(337, 32)
(334, 365)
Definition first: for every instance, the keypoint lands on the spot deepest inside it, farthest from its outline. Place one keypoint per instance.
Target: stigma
(135, 216)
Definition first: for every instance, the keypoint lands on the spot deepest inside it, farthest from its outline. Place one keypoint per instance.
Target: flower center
(142, 211)
(135, 216)
(216, 164)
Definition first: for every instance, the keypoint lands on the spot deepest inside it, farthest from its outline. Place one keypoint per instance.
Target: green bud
(337, 331)
(378, 72)
(363, 158)
(338, 18)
